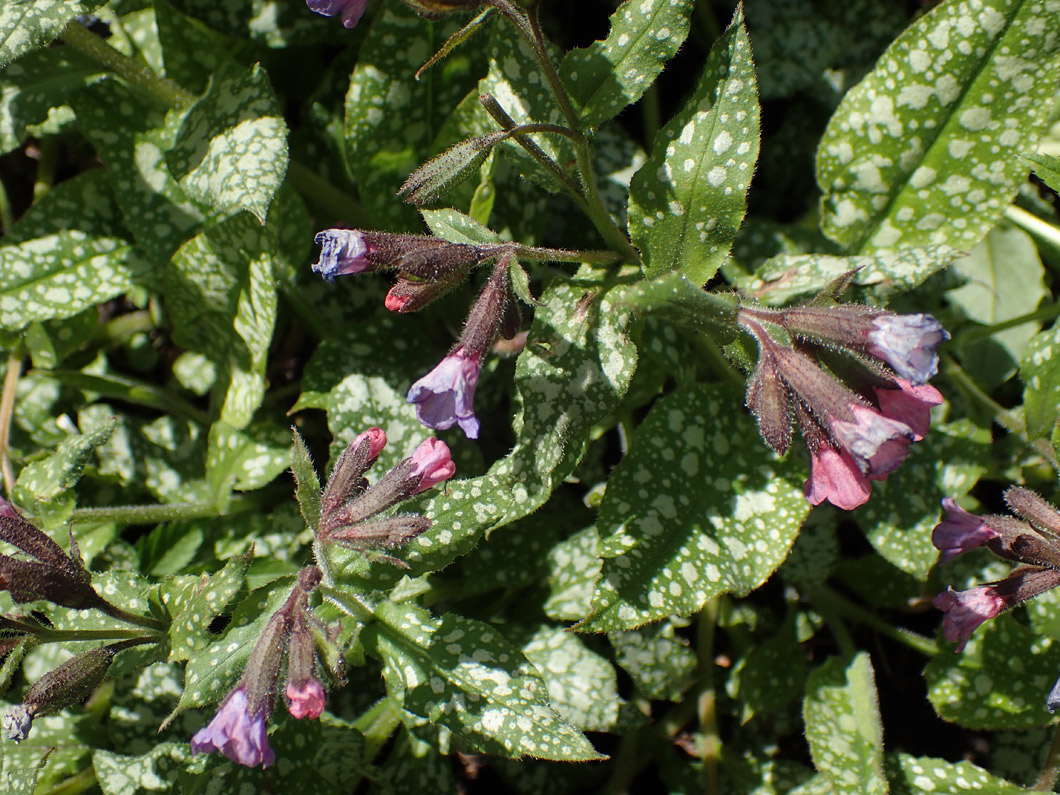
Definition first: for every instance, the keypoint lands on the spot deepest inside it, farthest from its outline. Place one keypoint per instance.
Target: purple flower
(966, 610)
(306, 700)
(959, 531)
(342, 251)
(910, 405)
(835, 476)
(878, 444)
(434, 463)
(236, 733)
(907, 343)
(351, 10)
(445, 395)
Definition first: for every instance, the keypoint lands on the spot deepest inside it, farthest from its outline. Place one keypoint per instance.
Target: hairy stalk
(7, 413)
(1046, 312)
(1047, 780)
(325, 198)
(134, 637)
(131, 618)
(7, 217)
(708, 743)
(561, 255)
(377, 724)
(178, 511)
(1033, 225)
(823, 595)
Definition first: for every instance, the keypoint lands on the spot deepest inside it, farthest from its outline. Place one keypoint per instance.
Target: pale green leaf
(26, 24)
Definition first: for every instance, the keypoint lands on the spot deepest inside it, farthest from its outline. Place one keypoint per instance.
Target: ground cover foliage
(678, 230)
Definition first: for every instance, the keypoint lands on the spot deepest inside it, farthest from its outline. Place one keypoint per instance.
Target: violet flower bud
(907, 343)
(236, 732)
(433, 464)
(350, 10)
(959, 531)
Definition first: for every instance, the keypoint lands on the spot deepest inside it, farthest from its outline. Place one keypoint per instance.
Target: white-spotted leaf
(925, 149)
(26, 24)
(687, 202)
(697, 508)
(195, 607)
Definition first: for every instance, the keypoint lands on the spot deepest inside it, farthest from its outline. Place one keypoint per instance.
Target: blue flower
(236, 733)
(445, 395)
(907, 343)
(342, 251)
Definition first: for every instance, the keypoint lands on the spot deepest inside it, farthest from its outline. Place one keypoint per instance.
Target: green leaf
(1040, 373)
(27, 24)
(581, 684)
(686, 203)
(608, 75)
(781, 279)
(770, 675)
(61, 274)
(247, 459)
(132, 140)
(904, 508)
(573, 569)
(307, 485)
(674, 297)
(674, 533)
(999, 681)
(1005, 280)
(910, 775)
(454, 226)
(231, 150)
(390, 116)
(1046, 168)
(158, 771)
(924, 150)
(464, 675)
(194, 608)
(659, 661)
(36, 83)
(843, 725)
(44, 480)
(213, 671)
(220, 291)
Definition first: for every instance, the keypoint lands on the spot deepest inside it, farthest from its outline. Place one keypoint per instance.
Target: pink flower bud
(433, 463)
(306, 700)
(376, 441)
(959, 531)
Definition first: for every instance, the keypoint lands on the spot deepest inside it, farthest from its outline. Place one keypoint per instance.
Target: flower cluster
(853, 379)
(1033, 542)
(427, 268)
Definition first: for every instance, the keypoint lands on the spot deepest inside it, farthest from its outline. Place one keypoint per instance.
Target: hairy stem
(153, 514)
(7, 413)
(1047, 780)
(822, 595)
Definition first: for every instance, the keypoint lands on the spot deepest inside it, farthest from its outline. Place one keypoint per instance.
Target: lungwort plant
(425, 395)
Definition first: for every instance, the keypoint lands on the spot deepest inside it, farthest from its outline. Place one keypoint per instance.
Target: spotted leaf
(1047, 169)
(26, 24)
(1040, 373)
(466, 676)
(912, 775)
(194, 607)
(924, 150)
(686, 203)
(843, 725)
(231, 150)
(608, 75)
(674, 531)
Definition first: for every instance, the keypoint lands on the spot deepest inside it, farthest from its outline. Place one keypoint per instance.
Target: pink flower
(907, 343)
(959, 531)
(351, 10)
(834, 476)
(306, 700)
(434, 464)
(445, 395)
(342, 251)
(966, 610)
(395, 301)
(376, 441)
(878, 444)
(910, 405)
(236, 733)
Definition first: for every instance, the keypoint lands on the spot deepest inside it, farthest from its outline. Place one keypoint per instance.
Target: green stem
(982, 332)
(835, 623)
(822, 594)
(349, 603)
(130, 390)
(710, 351)
(120, 329)
(84, 781)
(376, 725)
(708, 742)
(175, 512)
(136, 74)
(7, 413)
(651, 114)
(1005, 418)
(1047, 780)
(306, 313)
(326, 198)
(521, 129)
(7, 217)
(1034, 225)
(63, 635)
(131, 618)
(538, 253)
(48, 154)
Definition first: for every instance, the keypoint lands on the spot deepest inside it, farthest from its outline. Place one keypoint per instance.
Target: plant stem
(1002, 416)
(834, 600)
(349, 603)
(538, 253)
(322, 195)
(47, 155)
(131, 618)
(1034, 225)
(376, 725)
(706, 346)
(64, 635)
(1047, 780)
(117, 330)
(7, 413)
(153, 514)
(83, 781)
(826, 608)
(309, 316)
(982, 332)
(161, 89)
(708, 742)
(7, 218)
